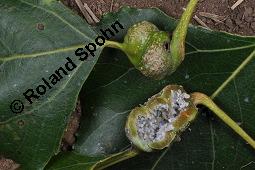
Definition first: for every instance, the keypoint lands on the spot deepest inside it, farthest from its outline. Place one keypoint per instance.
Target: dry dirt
(8, 164)
(241, 20)
(69, 136)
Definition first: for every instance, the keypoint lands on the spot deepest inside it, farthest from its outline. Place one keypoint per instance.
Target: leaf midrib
(42, 53)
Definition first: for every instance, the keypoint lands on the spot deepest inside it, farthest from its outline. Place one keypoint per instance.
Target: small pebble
(253, 26)
(248, 11)
(229, 23)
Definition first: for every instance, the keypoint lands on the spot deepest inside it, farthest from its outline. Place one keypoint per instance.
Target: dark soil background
(241, 20)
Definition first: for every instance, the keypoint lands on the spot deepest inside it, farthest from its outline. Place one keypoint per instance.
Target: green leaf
(36, 37)
(217, 64)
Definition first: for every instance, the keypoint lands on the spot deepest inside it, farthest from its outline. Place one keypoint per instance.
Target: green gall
(157, 61)
(138, 34)
(158, 123)
(148, 49)
(151, 51)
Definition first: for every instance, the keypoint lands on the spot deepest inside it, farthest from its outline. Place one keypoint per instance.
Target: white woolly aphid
(153, 128)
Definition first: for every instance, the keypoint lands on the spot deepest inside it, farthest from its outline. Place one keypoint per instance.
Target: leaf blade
(37, 37)
(211, 59)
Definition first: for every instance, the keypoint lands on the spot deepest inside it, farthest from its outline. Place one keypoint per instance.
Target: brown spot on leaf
(40, 26)
(21, 123)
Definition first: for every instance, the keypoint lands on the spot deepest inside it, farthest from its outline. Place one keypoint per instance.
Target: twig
(111, 6)
(84, 12)
(214, 17)
(236, 4)
(200, 21)
(92, 15)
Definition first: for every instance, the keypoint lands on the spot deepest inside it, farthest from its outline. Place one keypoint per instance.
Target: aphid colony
(160, 119)
(156, 124)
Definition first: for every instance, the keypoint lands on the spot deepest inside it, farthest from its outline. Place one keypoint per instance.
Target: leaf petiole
(200, 98)
(177, 45)
(114, 44)
(116, 158)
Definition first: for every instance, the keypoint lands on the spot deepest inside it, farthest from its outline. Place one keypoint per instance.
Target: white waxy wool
(153, 128)
(179, 102)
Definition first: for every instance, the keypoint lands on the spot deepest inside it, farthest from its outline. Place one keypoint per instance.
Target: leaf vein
(213, 145)
(233, 75)
(220, 50)
(160, 157)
